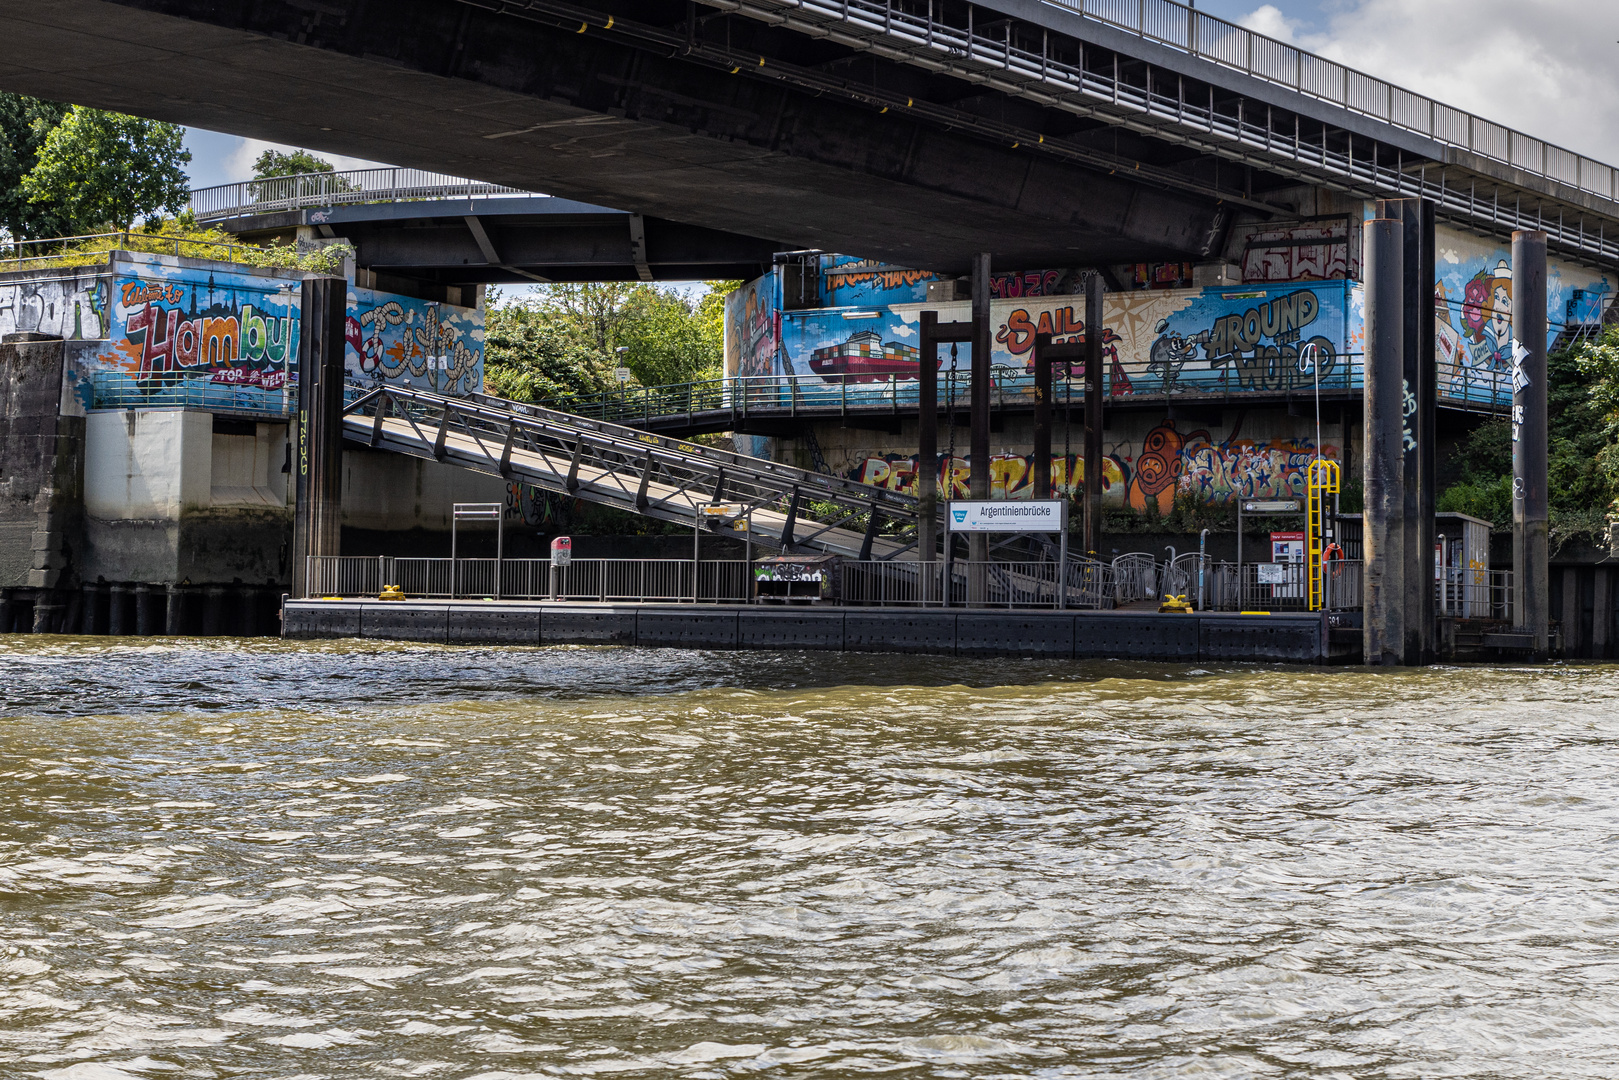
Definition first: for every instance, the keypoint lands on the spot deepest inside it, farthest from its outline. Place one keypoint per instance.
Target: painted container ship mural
(866, 357)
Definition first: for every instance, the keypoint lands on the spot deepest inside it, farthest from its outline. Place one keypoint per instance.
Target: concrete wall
(153, 463)
(170, 499)
(247, 467)
(390, 492)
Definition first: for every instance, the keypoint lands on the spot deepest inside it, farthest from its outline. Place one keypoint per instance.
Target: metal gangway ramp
(773, 505)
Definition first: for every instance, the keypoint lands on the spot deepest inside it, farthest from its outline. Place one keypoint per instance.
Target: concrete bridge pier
(1384, 545)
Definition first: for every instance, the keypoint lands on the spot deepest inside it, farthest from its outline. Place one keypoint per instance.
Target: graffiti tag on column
(1408, 410)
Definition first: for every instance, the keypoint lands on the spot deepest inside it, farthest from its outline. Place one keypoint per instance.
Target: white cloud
(902, 331)
(1546, 68)
(1269, 21)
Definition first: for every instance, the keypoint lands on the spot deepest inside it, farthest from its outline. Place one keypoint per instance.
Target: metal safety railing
(77, 250)
(737, 398)
(1275, 586)
(958, 583)
(1135, 578)
(1469, 593)
(602, 580)
(1182, 27)
(169, 390)
(304, 190)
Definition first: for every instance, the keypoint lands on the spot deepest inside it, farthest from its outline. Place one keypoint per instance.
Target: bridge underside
(495, 241)
(549, 100)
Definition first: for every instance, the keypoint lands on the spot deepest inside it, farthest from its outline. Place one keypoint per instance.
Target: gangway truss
(768, 503)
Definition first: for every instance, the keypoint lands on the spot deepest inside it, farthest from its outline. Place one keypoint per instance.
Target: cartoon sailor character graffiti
(1170, 351)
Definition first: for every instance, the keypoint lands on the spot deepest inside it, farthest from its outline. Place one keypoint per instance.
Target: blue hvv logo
(960, 516)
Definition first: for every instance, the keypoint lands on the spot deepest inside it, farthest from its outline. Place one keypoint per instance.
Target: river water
(368, 860)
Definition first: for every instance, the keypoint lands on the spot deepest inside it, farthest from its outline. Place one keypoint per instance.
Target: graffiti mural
(1311, 251)
(158, 324)
(399, 339)
(73, 306)
(752, 328)
(1219, 469)
(1011, 475)
(1153, 470)
(173, 322)
(1473, 295)
(846, 281)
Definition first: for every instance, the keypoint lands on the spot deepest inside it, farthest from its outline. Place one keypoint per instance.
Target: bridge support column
(317, 520)
(1385, 561)
(978, 543)
(1041, 478)
(927, 442)
(1093, 414)
(1419, 390)
(1531, 576)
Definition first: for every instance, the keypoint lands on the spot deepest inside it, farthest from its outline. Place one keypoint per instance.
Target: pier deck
(1290, 637)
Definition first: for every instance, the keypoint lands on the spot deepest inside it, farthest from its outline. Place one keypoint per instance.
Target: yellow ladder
(1323, 478)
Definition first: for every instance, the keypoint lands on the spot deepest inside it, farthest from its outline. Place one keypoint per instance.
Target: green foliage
(566, 342)
(314, 176)
(1582, 411)
(24, 123)
(274, 163)
(180, 236)
(531, 353)
(1490, 499)
(100, 170)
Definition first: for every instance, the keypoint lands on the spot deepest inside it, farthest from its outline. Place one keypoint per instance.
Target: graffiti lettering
(141, 292)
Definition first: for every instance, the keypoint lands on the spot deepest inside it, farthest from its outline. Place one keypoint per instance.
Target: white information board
(1006, 515)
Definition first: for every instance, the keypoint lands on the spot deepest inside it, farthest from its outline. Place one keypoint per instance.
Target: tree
(530, 354)
(102, 170)
(274, 163)
(24, 123)
(567, 340)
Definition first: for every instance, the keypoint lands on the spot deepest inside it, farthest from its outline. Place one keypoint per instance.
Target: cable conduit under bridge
(667, 479)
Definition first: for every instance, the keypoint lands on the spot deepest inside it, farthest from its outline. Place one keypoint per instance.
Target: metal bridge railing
(281, 193)
(1182, 27)
(738, 397)
(996, 54)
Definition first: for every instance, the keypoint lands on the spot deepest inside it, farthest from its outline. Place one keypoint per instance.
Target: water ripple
(349, 860)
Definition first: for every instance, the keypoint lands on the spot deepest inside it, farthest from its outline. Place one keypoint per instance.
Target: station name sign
(1006, 515)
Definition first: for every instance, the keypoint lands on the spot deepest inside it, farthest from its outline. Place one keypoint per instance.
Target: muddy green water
(365, 860)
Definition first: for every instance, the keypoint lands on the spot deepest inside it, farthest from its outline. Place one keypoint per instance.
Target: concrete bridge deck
(1300, 637)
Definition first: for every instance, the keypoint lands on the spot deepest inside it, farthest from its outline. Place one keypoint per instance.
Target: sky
(1546, 67)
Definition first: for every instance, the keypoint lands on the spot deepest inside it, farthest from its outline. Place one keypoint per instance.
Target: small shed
(1462, 565)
